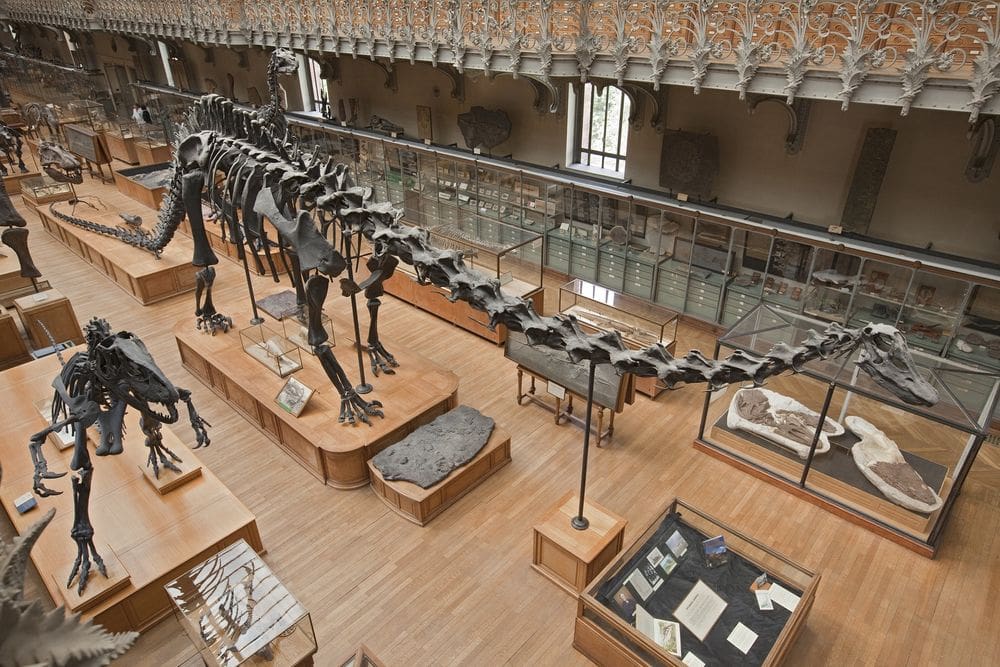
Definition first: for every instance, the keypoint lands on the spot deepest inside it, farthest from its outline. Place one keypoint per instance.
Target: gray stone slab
(433, 451)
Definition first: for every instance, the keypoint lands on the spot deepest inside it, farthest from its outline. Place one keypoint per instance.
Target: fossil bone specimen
(780, 419)
(880, 460)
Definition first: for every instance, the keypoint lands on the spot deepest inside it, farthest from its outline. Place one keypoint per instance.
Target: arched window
(602, 122)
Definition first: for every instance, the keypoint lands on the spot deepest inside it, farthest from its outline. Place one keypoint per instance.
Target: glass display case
(930, 314)
(43, 190)
(281, 356)
(236, 612)
(831, 285)
(881, 289)
(120, 137)
(709, 266)
(640, 324)
(787, 273)
(296, 330)
(676, 238)
(691, 590)
(749, 263)
(854, 447)
(84, 112)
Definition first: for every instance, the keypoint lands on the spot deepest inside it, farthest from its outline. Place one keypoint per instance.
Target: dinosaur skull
(886, 358)
(284, 61)
(122, 361)
(59, 163)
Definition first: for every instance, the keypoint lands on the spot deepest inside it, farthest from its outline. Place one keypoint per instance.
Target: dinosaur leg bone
(38, 457)
(197, 423)
(159, 454)
(83, 532)
(380, 357)
(207, 318)
(353, 408)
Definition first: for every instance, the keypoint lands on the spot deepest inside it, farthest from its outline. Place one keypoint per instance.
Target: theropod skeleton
(11, 145)
(268, 175)
(95, 388)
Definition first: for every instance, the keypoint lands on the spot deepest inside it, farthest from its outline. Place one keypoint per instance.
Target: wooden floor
(461, 590)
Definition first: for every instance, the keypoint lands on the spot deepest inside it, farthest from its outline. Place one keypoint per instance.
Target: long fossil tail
(52, 339)
(169, 218)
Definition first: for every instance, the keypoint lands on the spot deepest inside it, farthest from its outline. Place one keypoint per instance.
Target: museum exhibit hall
(529, 332)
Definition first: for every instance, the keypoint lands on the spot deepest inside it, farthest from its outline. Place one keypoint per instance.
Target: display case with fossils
(851, 445)
(237, 612)
(280, 355)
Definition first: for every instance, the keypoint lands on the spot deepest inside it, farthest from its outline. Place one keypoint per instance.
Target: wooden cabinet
(13, 350)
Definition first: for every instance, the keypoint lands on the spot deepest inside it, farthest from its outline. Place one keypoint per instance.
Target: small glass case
(236, 612)
(44, 190)
(297, 331)
(272, 349)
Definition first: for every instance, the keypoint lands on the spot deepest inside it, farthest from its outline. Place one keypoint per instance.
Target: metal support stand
(363, 387)
(580, 522)
(819, 431)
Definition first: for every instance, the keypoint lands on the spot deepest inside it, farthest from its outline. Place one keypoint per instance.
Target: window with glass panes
(319, 88)
(603, 127)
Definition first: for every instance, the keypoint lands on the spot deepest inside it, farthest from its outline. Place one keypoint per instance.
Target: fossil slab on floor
(433, 451)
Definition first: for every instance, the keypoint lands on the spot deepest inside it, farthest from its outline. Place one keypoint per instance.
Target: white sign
(700, 610)
(556, 390)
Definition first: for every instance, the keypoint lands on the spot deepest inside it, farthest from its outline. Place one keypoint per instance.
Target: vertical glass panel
(709, 264)
(931, 312)
(676, 237)
(787, 273)
(881, 290)
(747, 268)
(831, 285)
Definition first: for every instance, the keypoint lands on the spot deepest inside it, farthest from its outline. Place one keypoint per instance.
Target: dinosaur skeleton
(267, 175)
(36, 115)
(11, 145)
(96, 387)
(61, 165)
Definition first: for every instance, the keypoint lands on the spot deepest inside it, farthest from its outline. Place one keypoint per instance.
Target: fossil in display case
(780, 419)
(277, 353)
(881, 462)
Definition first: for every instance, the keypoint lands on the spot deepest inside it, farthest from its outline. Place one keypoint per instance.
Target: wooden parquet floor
(460, 591)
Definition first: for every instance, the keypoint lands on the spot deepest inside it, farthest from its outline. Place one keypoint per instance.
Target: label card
(41, 296)
(640, 584)
(556, 390)
(700, 610)
(691, 660)
(742, 637)
(784, 597)
(764, 599)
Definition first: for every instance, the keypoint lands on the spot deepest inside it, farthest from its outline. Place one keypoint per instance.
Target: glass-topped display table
(639, 322)
(43, 190)
(238, 613)
(893, 467)
(509, 254)
(691, 590)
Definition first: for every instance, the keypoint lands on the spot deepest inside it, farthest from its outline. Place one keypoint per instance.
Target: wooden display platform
(99, 587)
(224, 248)
(403, 285)
(12, 182)
(53, 310)
(572, 558)
(155, 537)
(335, 453)
(420, 505)
(136, 271)
(13, 350)
(150, 197)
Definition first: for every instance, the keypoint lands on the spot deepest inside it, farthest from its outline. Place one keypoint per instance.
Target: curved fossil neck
(270, 110)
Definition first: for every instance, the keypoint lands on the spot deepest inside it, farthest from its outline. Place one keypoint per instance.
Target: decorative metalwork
(936, 53)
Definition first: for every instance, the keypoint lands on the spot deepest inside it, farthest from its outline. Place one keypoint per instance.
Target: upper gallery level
(932, 54)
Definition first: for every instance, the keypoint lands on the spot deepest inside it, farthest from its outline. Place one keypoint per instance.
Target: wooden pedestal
(335, 453)
(13, 350)
(134, 270)
(421, 505)
(13, 182)
(98, 587)
(55, 311)
(571, 557)
(155, 537)
(152, 153)
(169, 480)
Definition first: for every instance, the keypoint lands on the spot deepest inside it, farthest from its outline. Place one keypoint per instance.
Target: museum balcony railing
(926, 54)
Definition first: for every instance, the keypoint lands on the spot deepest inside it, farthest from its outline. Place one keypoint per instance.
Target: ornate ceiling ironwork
(925, 53)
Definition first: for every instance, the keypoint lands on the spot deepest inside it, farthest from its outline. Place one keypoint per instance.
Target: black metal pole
(580, 522)
(819, 431)
(257, 319)
(363, 387)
